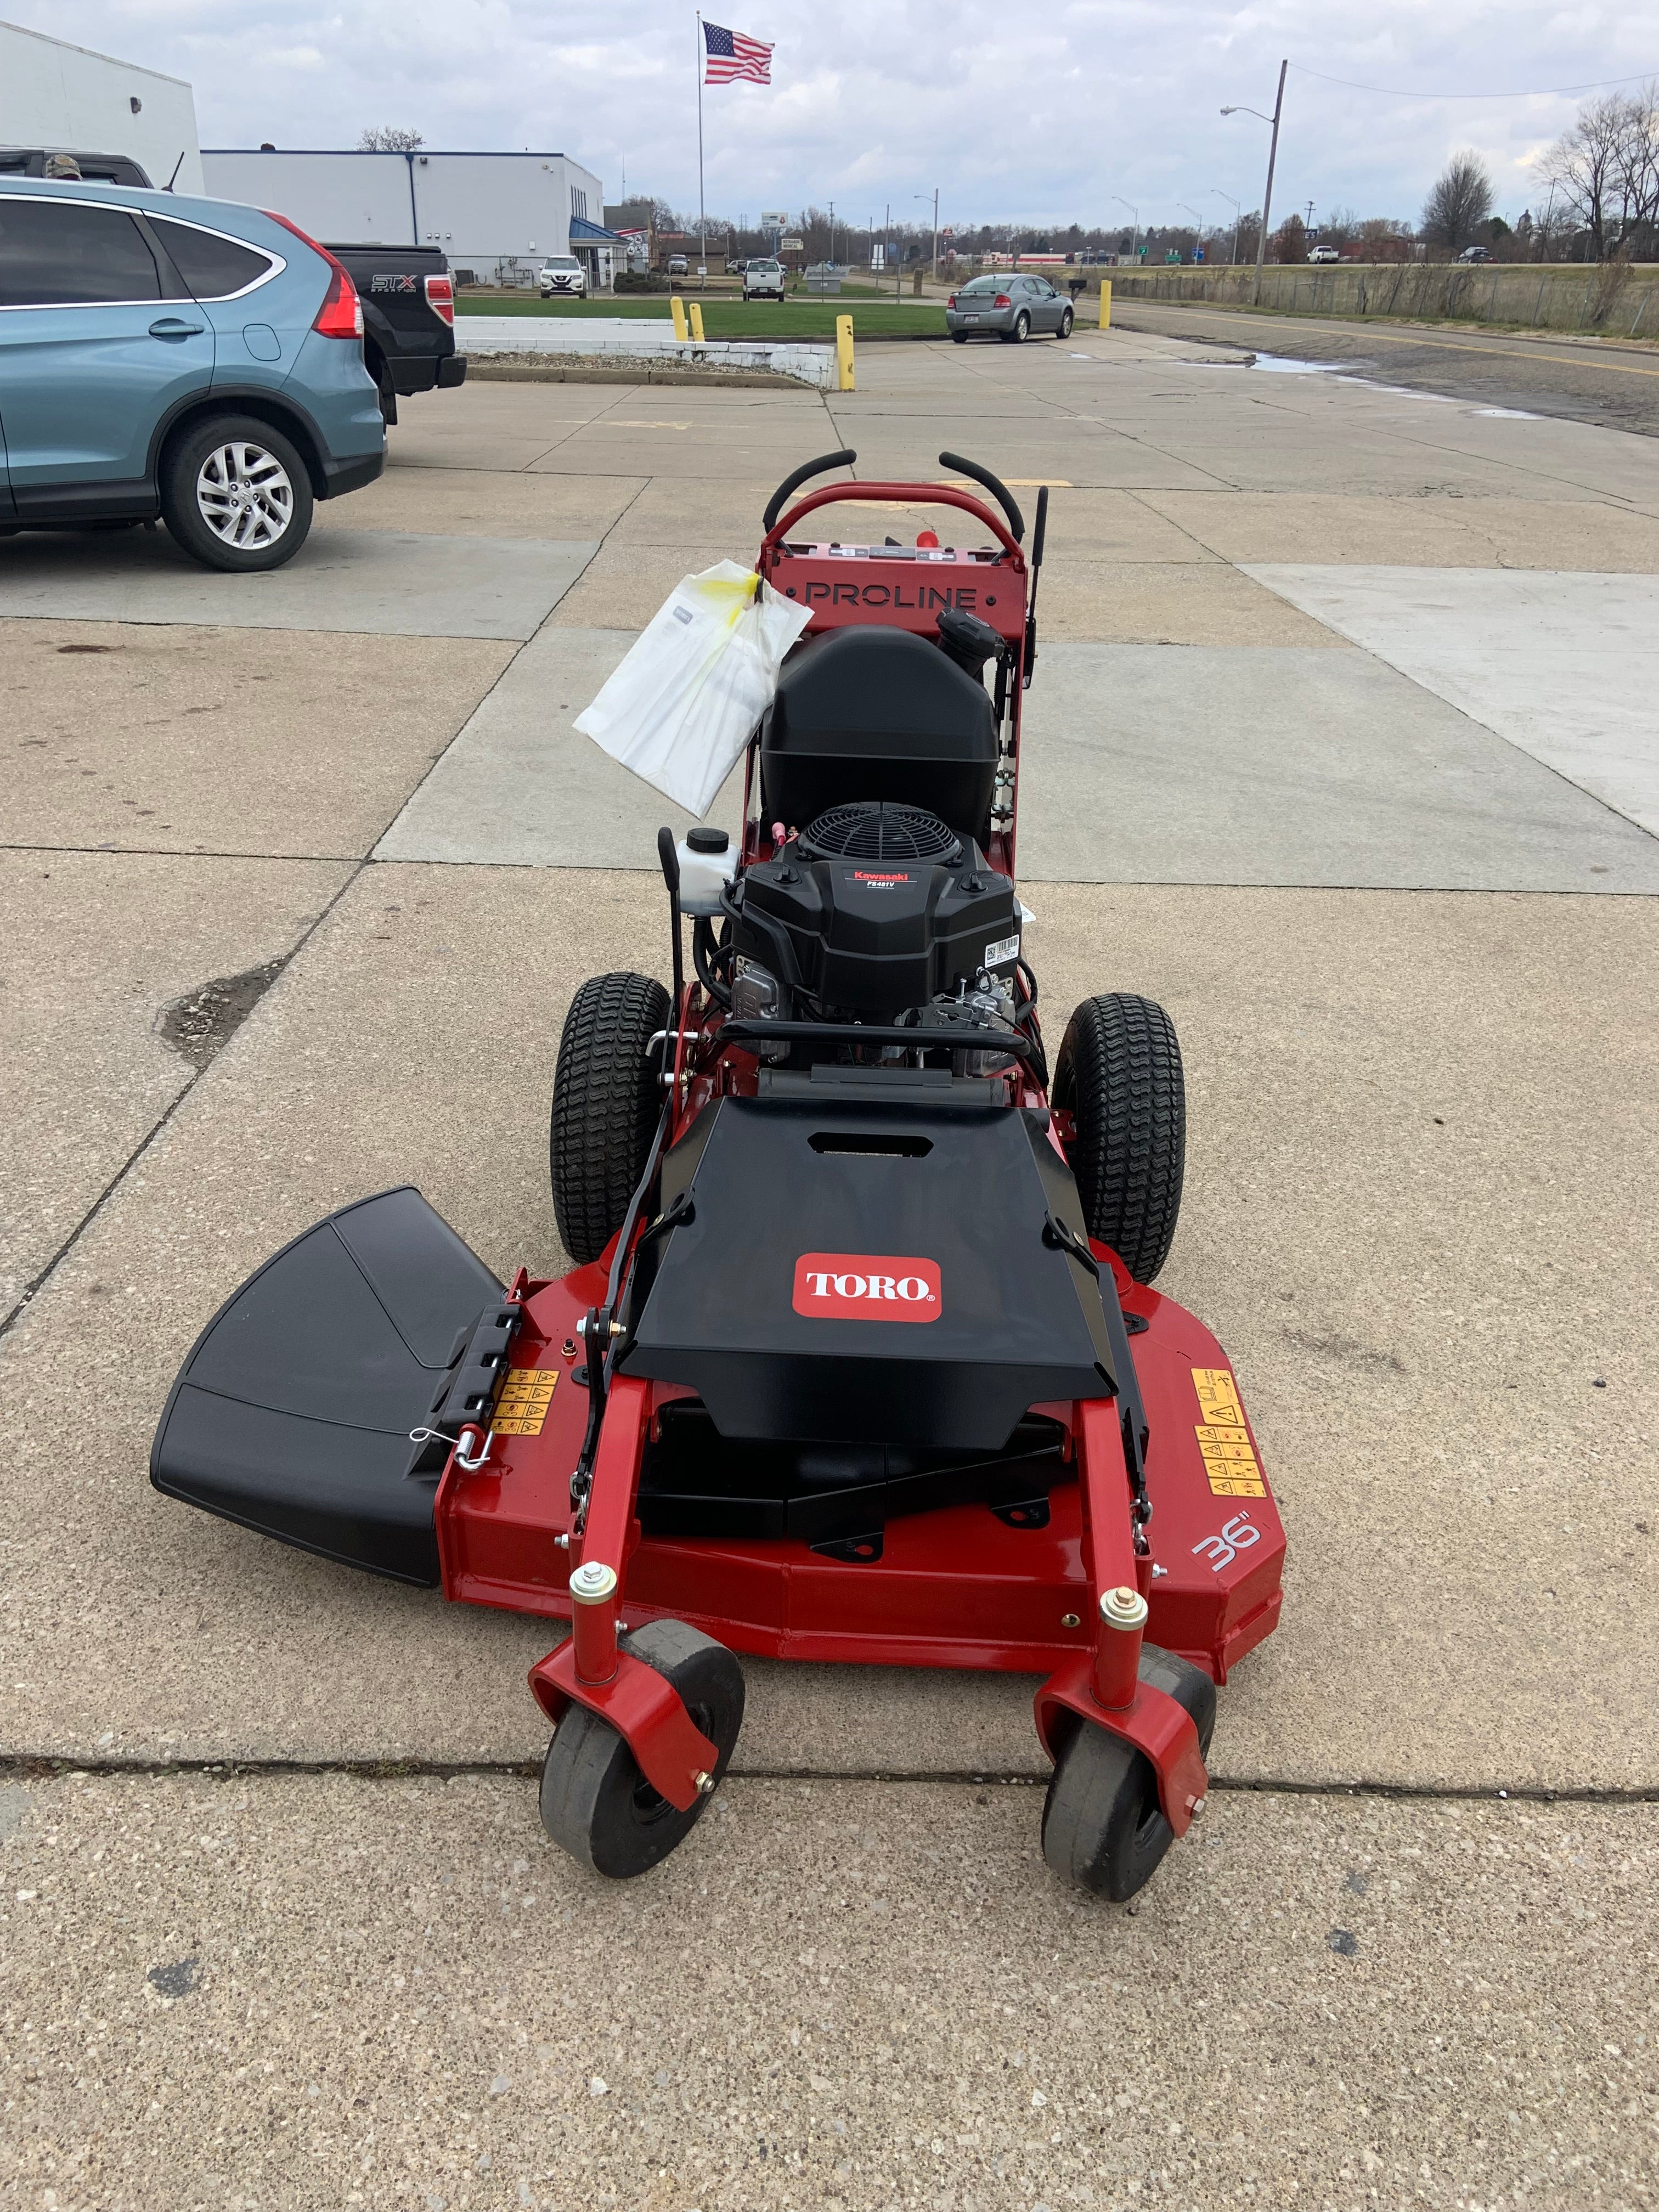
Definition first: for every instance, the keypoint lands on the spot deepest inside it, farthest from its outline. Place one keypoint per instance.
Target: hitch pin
(443, 1436)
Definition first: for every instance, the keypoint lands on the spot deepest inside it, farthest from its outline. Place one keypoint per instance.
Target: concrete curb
(633, 340)
(509, 368)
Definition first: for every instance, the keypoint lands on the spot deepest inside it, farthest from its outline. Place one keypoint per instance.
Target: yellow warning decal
(1230, 1460)
(526, 1396)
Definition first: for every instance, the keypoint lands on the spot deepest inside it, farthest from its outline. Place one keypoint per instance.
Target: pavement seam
(59, 1766)
(1374, 654)
(31, 1289)
(371, 858)
(188, 853)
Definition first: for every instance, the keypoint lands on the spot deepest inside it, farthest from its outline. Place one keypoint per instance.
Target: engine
(876, 913)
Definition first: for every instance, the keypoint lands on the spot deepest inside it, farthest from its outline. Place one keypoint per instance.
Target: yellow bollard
(844, 353)
(1105, 304)
(696, 322)
(676, 309)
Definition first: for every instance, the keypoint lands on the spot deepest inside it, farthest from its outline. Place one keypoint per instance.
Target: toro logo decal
(866, 1286)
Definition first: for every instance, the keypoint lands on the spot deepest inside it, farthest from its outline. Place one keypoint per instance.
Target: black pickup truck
(409, 318)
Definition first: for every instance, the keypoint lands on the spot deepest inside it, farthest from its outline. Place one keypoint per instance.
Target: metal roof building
(497, 215)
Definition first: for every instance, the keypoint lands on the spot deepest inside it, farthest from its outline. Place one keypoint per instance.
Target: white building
(64, 99)
(498, 216)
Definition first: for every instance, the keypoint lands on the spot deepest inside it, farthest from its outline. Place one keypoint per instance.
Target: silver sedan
(1009, 307)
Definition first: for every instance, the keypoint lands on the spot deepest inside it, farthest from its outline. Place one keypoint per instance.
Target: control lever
(671, 875)
(1037, 536)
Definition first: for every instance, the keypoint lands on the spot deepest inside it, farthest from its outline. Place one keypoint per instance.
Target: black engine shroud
(875, 910)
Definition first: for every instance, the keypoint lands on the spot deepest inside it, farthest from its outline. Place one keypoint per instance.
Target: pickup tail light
(1002, 300)
(341, 315)
(440, 298)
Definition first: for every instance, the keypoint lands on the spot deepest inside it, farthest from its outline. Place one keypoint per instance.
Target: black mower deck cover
(813, 1202)
(293, 1412)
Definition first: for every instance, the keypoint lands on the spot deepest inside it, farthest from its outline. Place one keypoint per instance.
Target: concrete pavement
(1419, 1047)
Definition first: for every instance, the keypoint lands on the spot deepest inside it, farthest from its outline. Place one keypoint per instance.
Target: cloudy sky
(1014, 111)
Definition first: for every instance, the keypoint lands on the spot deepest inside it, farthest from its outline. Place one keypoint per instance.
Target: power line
(1542, 92)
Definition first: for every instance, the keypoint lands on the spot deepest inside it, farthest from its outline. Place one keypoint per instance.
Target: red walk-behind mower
(860, 1360)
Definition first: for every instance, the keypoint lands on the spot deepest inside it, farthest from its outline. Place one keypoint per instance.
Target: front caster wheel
(1102, 1823)
(594, 1800)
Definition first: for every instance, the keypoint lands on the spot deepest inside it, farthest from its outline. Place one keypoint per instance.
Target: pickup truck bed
(409, 321)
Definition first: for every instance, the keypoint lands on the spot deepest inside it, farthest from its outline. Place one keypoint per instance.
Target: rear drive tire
(958, 337)
(595, 1803)
(606, 1105)
(1021, 332)
(1118, 1077)
(1102, 1823)
(235, 494)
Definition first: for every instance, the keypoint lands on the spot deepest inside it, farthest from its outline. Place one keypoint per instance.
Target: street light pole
(1135, 243)
(1273, 157)
(1197, 218)
(923, 197)
(1238, 216)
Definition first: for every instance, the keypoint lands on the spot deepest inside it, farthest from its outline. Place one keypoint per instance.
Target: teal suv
(187, 359)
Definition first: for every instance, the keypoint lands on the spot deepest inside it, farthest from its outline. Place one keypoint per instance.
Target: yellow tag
(1230, 1460)
(526, 1396)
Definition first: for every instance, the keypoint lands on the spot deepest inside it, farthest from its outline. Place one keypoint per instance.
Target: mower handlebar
(798, 476)
(999, 490)
(892, 494)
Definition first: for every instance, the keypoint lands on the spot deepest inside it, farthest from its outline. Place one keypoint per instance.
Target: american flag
(732, 54)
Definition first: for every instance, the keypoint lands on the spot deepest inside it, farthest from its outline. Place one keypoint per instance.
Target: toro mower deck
(860, 1360)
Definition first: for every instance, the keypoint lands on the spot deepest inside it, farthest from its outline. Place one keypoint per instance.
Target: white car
(763, 280)
(1323, 253)
(563, 276)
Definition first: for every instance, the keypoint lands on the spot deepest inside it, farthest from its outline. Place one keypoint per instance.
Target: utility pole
(1268, 196)
(1273, 157)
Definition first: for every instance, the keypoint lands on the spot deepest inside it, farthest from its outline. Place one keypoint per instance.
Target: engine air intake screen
(878, 830)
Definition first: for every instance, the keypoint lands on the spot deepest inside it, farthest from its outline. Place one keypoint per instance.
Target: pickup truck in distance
(409, 319)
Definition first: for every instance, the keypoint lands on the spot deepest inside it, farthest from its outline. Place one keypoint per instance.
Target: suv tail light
(1002, 300)
(440, 298)
(341, 315)
(951, 302)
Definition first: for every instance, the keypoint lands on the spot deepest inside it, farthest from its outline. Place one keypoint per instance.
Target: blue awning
(591, 233)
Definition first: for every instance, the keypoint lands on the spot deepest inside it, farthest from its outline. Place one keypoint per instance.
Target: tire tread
(605, 1106)
(1119, 1074)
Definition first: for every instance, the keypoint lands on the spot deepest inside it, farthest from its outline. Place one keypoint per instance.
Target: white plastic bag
(683, 705)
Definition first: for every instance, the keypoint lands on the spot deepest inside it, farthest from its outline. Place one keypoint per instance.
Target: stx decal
(866, 1286)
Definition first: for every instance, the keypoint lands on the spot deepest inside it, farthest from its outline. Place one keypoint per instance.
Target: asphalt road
(1579, 380)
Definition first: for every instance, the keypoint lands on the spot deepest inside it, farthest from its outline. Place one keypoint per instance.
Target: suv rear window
(213, 267)
(56, 254)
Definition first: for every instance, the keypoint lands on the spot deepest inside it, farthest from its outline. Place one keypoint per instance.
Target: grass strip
(756, 322)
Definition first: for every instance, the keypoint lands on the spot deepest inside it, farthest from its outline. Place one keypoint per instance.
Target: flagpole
(702, 216)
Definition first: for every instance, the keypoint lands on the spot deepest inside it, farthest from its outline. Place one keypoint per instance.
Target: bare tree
(1605, 171)
(1290, 241)
(1459, 201)
(390, 138)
